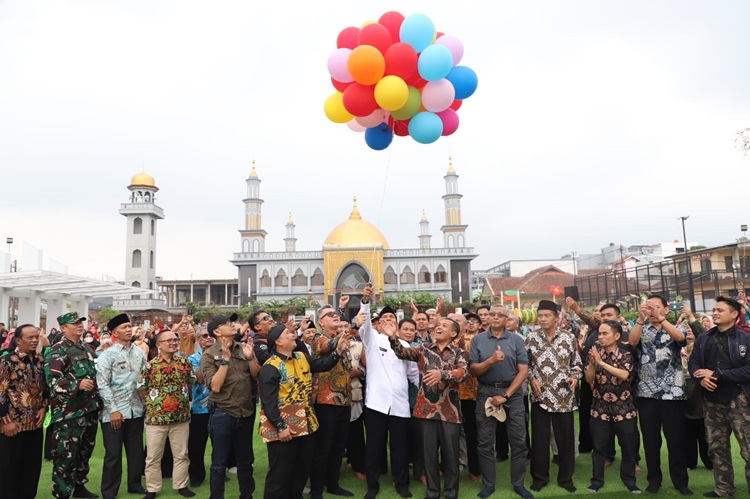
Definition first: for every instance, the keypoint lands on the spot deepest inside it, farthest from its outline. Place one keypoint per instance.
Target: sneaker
(634, 490)
(521, 491)
(593, 488)
(486, 492)
(233, 470)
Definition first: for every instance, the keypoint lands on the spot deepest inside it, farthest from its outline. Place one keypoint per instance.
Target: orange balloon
(366, 65)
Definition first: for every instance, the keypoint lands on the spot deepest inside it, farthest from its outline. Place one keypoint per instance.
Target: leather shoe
(685, 491)
(82, 492)
(150, 495)
(486, 492)
(404, 493)
(338, 491)
(186, 492)
(139, 490)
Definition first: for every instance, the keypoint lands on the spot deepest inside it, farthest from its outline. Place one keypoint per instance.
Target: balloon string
(380, 211)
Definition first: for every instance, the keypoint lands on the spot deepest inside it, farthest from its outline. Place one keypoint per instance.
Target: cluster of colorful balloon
(398, 75)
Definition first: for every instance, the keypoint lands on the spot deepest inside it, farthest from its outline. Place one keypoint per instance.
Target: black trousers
(602, 433)
(130, 434)
(502, 446)
(469, 407)
(21, 464)
(330, 445)
(197, 447)
(416, 452)
(695, 444)
(585, 443)
(288, 467)
(355, 444)
(669, 416)
(562, 424)
(382, 429)
(444, 436)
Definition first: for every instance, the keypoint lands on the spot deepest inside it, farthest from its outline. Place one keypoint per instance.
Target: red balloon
(376, 35)
(340, 85)
(416, 81)
(439, 34)
(401, 60)
(347, 39)
(359, 99)
(401, 128)
(392, 21)
(456, 104)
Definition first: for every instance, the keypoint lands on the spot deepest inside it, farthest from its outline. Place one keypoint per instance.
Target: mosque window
(390, 276)
(136, 284)
(299, 279)
(424, 275)
(136, 263)
(407, 276)
(281, 279)
(153, 227)
(317, 278)
(440, 275)
(137, 225)
(151, 260)
(265, 280)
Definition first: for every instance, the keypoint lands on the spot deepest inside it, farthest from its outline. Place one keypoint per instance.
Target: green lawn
(701, 479)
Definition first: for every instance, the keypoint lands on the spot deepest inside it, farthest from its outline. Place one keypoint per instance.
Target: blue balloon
(426, 127)
(418, 31)
(379, 137)
(435, 62)
(464, 81)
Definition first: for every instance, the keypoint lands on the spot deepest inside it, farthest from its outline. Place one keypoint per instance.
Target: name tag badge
(743, 350)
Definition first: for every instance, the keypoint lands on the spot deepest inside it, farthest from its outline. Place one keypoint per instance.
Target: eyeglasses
(171, 340)
(267, 318)
(473, 321)
(204, 336)
(497, 314)
(329, 314)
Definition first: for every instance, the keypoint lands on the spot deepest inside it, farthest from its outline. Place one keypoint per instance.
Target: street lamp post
(689, 264)
(743, 264)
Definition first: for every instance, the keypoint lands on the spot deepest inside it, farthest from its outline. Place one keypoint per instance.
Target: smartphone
(146, 324)
(572, 291)
(191, 311)
(676, 306)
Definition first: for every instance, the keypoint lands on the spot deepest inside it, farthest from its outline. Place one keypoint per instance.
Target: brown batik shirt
(552, 363)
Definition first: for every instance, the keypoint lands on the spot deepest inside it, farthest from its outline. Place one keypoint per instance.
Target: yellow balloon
(391, 93)
(369, 21)
(335, 110)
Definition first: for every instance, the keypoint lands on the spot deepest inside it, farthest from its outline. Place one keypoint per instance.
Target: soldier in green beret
(75, 405)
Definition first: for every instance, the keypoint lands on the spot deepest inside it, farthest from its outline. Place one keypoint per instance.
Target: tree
(106, 314)
(743, 140)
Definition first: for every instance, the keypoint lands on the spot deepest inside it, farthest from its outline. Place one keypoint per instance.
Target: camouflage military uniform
(74, 413)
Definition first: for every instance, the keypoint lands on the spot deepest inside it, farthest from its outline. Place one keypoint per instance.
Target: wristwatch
(504, 395)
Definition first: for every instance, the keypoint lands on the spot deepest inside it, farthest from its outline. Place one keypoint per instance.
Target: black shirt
(717, 357)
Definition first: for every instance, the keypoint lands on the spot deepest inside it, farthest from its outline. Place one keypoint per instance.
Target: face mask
(89, 339)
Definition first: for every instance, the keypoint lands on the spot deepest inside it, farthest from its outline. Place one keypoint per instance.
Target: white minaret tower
(253, 236)
(424, 232)
(290, 240)
(454, 234)
(140, 243)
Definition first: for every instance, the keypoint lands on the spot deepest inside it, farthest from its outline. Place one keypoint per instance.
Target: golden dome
(253, 173)
(355, 233)
(450, 165)
(143, 179)
(424, 215)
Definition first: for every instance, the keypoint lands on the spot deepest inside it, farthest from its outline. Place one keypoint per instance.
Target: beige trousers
(156, 437)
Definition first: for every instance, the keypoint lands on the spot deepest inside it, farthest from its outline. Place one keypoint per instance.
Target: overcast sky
(593, 122)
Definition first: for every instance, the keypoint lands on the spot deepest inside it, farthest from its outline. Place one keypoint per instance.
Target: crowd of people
(437, 393)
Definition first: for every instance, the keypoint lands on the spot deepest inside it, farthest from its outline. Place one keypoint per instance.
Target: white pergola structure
(34, 286)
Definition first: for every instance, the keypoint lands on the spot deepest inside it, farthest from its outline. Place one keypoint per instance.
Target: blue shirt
(483, 346)
(660, 374)
(117, 370)
(200, 390)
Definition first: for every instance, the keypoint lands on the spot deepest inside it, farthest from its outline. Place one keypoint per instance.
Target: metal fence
(670, 279)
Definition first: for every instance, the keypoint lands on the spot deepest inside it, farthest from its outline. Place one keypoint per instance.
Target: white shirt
(388, 377)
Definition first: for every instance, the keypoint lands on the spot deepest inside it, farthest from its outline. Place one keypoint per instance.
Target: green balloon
(413, 103)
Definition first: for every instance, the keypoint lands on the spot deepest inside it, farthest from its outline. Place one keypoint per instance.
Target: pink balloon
(337, 65)
(449, 117)
(438, 95)
(355, 127)
(453, 44)
(377, 117)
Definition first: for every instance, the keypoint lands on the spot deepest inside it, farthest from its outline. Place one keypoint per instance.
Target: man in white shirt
(387, 411)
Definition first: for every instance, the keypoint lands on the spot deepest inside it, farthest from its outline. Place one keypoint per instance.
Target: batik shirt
(200, 390)
(166, 386)
(23, 389)
(468, 389)
(441, 401)
(613, 397)
(287, 380)
(66, 364)
(552, 363)
(331, 387)
(660, 373)
(117, 371)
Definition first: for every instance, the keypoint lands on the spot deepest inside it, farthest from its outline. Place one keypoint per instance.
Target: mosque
(354, 252)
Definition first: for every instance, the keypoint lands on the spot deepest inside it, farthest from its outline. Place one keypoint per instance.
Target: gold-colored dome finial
(424, 215)
(355, 212)
(290, 221)
(253, 173)
(143, 179)
(450, 165)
